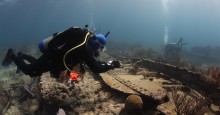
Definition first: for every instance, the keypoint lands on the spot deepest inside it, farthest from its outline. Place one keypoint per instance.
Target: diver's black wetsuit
(52, 60)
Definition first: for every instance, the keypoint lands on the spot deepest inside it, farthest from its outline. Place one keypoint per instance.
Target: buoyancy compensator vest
(63, 40)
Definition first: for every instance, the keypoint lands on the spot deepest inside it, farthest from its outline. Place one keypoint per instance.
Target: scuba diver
(171, 51)
(63, 51)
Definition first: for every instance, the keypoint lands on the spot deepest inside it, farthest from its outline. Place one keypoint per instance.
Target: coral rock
(53, 91)
(133, 103)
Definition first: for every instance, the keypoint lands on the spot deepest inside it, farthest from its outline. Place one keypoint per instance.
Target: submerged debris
(28, 90)
(148, 83)
(135, 84)
(4, 100)
(195, 80)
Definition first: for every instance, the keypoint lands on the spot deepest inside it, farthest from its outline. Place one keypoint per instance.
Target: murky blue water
(150, 22)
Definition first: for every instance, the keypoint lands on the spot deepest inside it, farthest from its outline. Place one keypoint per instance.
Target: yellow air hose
(64, 57)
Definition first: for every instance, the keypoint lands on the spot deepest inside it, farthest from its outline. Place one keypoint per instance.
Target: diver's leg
(29, 58)
(36, 68)
(25, 68)
(10, 56)
(23, 56)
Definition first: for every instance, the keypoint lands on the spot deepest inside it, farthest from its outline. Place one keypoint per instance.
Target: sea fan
(187, 104)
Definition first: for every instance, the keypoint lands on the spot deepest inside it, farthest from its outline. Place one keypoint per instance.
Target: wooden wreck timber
(176, 78)
(194, 80)
(150, 87)
(134, 84)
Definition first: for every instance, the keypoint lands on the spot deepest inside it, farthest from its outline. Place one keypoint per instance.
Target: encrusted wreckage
(158, 86)
(194, 80)
(135, 84)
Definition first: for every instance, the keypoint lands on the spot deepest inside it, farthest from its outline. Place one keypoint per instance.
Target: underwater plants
(187, 104)
(214, 73)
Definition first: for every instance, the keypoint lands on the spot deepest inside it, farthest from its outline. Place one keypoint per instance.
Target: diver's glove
(114, 64)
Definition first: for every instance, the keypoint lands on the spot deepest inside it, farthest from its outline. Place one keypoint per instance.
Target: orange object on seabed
(74, 76)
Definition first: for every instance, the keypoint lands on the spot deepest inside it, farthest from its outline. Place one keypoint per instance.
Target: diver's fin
(18, 70)
(8, 59)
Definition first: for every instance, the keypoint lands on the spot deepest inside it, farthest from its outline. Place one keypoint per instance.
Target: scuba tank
(59, 40)
(43, 45)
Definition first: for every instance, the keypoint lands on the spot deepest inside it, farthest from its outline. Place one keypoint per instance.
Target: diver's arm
(97, 66)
